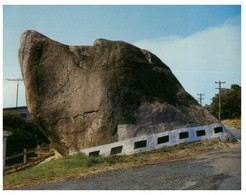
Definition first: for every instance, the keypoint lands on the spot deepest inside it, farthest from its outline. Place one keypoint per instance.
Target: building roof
(7, 133)
(15, 108)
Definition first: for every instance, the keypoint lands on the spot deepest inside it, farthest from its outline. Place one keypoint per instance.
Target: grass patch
(231, 122)
(93, 161)
(113, 159)
(80, 165)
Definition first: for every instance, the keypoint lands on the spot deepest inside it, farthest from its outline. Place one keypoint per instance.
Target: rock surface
(80, 95)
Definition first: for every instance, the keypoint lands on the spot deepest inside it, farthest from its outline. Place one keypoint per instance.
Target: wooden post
(38, 151)
(25, 156)
(219, 97)
(4, 151)
(5, 135)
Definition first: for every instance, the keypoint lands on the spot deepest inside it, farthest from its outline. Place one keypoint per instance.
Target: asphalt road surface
(216, 170)
(236, 133)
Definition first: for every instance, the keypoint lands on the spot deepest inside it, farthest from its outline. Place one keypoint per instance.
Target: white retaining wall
(128, 145)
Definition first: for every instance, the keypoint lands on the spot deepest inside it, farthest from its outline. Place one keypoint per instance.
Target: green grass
(81, 165)
(59, 169)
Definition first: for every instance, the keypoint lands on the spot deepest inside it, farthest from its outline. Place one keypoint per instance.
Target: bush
(92, 160)
(113, 159)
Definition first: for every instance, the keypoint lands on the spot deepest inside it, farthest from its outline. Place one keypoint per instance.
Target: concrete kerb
(167, 139)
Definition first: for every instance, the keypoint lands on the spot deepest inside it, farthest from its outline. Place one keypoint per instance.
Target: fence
(41, 154)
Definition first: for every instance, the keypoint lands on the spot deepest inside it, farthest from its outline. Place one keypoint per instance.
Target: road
(215, 170)
(236, 133)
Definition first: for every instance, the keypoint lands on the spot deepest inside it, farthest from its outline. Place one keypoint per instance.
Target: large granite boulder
(85, 96)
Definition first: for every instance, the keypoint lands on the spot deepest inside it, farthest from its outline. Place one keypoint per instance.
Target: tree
(230, 103)
(25, 133)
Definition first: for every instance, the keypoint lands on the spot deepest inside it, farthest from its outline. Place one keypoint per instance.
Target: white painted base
(152, 140)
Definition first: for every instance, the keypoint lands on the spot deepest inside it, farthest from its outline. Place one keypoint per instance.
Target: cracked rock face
(81, 96)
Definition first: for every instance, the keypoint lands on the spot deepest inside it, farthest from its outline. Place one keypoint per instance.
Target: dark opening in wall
(140, 144)
(116, 150)
(163, 139)
(200, 133)
(218, 129)
(183, 135)
(95, 153)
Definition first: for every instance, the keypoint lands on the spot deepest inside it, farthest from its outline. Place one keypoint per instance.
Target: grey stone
(80, 95)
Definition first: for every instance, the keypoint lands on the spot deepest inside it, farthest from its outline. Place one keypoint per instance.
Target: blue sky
(201, 44)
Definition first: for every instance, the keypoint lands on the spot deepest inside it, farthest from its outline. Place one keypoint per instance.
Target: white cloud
(206, 56)
(208, 50)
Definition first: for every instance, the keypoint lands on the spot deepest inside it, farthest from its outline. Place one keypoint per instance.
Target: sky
(201, 44)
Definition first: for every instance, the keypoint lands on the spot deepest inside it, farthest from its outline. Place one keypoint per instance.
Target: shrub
(92, 161)
(113, 159)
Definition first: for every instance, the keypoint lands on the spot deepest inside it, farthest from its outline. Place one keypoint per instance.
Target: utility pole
(17, 90)
(219, 96)
(200, 98)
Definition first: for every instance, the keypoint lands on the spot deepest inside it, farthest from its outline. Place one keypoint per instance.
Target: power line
(200, 98)
(17, 90)
(219, 96)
